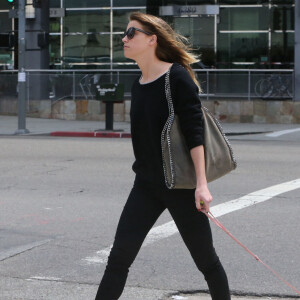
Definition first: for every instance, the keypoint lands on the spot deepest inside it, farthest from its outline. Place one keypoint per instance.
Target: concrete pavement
(54, 289)
(71, 289)
(207, 297)
(38, 126)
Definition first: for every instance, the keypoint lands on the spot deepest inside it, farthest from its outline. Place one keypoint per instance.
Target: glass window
(242, 47)
(244, 18)
(87, 48)
(283, 18)
(86, 3)
(200, 32)
(242, 1)
(131, 2)
(5, 58)
(121, 19)
(54, 49)
(283, 1)
(5, 22)
(55, 25)
(87, 21)
(5, 5)
(118, 52)
(54, 3)
(186, 2)
(282, 47)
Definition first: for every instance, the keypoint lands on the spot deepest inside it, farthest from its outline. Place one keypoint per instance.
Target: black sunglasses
(131, 32)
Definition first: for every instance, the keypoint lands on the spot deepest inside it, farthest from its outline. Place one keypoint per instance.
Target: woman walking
(157, 49)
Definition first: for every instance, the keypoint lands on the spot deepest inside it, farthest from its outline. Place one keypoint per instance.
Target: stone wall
(226, 111)
(282, 112)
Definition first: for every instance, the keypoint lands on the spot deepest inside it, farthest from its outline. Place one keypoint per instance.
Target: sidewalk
(55, 127)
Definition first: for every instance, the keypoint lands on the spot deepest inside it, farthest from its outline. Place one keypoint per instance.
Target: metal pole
(74, 91)
(249, 84)
(21, 74)
(297, 53)
(28, 89)
(207, 85)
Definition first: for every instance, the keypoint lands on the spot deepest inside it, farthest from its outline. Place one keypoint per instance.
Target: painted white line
(168, 229)
(282, 132)
(255, 198)
(100, 258)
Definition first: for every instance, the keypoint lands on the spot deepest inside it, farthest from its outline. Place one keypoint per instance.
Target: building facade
(227, 34)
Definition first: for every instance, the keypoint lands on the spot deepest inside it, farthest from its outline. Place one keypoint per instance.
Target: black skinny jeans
(143, 207)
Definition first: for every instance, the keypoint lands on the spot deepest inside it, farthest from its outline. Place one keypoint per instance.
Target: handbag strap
(165, 136)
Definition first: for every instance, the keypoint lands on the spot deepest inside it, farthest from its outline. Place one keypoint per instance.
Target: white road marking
(282, 132)
(169, 228)
(101, 256)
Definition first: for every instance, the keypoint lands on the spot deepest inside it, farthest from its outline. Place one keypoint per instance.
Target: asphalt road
(61, 198)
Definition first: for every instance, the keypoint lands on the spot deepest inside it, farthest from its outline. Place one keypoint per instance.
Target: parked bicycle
(274, 86)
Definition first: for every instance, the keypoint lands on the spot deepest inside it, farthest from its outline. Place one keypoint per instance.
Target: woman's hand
(203, 198)
(202, 194)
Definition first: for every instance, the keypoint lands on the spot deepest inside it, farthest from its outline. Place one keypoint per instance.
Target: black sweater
(149, 113)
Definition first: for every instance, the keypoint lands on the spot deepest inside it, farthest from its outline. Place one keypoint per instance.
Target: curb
(91, 134)
(112, 134)
(107, 134)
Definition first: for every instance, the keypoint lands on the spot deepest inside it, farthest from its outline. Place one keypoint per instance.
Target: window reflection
(86, 3)
(4, 5)
(54, 49)
(200, 32)
(130, 3)
(244, 18)
(5, 58)
(54, 25)
(87, 48)
(121, 19)
(118, 52)
(86, 40)
(283, 18)
(243, 2)
(283, 1)
(5, 22)
(187, 2)
(282, 47)
(54, 3)
(242, 47)
(87, 21)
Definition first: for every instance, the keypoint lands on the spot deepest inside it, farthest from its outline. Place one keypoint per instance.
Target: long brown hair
(171, 46)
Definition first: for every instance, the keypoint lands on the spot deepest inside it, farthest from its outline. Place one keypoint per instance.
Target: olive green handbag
(179, 170)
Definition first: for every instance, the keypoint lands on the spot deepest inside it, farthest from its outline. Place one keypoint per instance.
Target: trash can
(110, 93)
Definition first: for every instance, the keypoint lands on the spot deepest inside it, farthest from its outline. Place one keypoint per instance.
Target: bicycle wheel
(265, 88)
(287, 87)
(257, 88)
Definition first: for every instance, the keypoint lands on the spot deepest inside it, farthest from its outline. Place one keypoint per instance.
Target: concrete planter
(239, 111)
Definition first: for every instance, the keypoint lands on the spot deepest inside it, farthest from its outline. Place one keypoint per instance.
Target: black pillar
(37, 50)
(297, 52)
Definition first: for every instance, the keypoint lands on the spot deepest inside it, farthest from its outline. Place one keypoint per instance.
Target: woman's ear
(153, 40)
